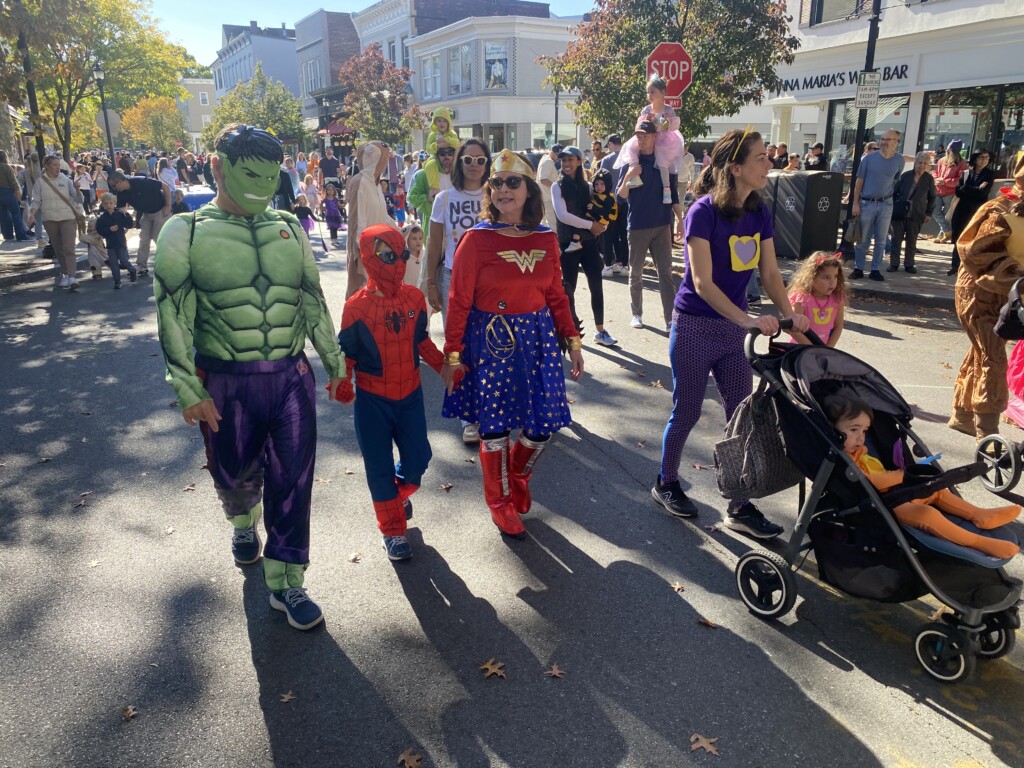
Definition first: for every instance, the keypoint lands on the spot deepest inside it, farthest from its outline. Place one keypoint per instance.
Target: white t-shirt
(456, 210)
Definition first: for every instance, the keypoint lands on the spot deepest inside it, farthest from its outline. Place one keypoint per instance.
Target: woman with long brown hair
(504, 308)
(729, 233)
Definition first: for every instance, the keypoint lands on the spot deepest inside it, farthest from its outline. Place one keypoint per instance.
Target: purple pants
(265, 448)
(699, 346)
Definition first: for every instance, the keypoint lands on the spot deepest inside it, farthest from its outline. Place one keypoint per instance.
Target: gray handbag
(751, 461)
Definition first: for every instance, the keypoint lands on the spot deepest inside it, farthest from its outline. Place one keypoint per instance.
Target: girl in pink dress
(668, 141)
(817, 290)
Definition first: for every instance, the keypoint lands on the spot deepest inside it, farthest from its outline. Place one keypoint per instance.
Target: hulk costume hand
(202, 411)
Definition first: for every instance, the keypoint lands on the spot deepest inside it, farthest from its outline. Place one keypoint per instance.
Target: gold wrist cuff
(453, 358)
(574, 342)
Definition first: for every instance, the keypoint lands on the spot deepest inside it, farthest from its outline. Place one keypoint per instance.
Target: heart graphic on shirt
(745, 252)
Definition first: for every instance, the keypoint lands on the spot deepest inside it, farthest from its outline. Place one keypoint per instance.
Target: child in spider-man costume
(384, 334)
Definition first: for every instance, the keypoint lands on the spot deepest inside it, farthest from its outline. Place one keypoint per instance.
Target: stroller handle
(784, 325)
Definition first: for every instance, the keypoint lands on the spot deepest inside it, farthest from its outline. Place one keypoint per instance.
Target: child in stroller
(852, 417)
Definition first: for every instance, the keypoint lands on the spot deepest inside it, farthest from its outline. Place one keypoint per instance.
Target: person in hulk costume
(236, 282)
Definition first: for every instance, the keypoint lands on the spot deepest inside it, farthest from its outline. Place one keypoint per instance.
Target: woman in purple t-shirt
(728, 233)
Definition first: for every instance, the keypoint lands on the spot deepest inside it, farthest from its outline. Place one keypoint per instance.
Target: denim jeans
(10, 215)
(117, 259)
(941, 212)
(874, 225)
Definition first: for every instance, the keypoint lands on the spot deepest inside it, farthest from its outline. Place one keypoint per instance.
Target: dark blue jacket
(645, 207)
(123, 222)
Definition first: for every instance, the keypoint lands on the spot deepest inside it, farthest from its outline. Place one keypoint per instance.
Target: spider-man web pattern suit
(384, 335)
(244, 293)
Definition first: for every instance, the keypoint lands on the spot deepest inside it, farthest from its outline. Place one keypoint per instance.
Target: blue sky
(196, 24)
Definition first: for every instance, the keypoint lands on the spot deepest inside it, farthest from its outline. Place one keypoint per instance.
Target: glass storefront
(891, 113)
(990, 116)
(542, 135)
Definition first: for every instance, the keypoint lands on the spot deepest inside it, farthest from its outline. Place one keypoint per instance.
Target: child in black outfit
(179, 205)
(112, 225)
(304, 214)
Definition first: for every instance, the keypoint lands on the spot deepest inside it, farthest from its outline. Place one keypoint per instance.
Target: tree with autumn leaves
(377, 101)
(262, 102)
(156, 122)
(736, 46)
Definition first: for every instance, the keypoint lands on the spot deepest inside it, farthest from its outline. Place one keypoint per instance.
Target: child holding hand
(113, 225)
(852, 417)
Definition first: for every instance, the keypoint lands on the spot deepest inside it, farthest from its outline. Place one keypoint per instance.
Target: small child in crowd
(440, 130)
(399, 202)
(668, 141)
(304, 214)
(179, 205)
(601, 208)
(332, 212)
(97, 251)
(414, 242)
(389, 199)
(852, 417)
(113, 225)
(311, 192)
(818, 291)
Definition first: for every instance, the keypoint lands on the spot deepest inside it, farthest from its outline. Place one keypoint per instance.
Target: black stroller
(859, 546)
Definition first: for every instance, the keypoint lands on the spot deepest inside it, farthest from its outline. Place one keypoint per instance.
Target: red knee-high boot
(497, 491)
(523, 456)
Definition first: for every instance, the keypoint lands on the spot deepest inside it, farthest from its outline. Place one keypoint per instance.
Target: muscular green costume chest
(237, 288)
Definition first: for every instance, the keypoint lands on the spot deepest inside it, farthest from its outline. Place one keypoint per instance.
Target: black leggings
(334, 233)
(588, 258)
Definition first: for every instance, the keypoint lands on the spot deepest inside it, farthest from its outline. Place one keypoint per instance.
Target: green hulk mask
(251, 166)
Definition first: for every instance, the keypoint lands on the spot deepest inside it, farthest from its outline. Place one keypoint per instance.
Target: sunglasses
(468, 160)
(388, 256)
(445, 152)
(513, 182)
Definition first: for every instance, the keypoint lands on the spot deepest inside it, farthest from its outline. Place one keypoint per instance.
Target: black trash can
(807, 208)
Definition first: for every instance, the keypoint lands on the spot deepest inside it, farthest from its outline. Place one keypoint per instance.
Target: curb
(905, 297)
(33, 274)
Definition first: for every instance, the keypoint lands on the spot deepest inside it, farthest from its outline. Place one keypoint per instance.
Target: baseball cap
(645, 126)
(615, 139)
(819, 145)
(574, 151)
(557, 148)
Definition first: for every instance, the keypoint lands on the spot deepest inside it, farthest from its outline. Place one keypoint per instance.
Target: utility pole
(33, 105)
(862, 117)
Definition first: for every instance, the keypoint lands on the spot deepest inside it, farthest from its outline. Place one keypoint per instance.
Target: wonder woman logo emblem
(524, 260)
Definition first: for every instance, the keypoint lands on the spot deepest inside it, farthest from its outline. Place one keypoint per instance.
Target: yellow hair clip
(740, 144)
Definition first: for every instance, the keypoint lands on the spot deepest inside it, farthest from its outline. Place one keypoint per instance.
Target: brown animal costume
(366, 207)
(992, 249)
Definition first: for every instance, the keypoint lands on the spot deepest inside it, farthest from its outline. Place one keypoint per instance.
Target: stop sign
(673, 64)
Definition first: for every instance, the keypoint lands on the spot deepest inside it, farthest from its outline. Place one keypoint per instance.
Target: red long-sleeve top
(506, 275)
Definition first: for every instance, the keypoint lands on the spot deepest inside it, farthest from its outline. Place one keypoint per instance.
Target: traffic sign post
(868, 86)
(673, 64)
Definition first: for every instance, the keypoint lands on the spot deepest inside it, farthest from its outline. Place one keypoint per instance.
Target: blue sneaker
(245, 545)
(302, 612)
(605, 339)
(397, 548)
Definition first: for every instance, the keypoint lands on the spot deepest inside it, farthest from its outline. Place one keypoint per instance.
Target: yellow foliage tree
(156, 122)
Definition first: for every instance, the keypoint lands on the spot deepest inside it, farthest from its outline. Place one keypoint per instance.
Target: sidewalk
(23, 262)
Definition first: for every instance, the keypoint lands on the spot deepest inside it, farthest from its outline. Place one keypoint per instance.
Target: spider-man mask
(384, 254)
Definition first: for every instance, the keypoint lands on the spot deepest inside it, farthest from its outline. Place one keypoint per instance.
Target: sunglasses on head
(513, 182)
(469, 159)
(445, 152)
(388, 256)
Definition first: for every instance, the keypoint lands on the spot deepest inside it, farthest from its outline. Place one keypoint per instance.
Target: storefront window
(832, 10)
(460, 70)
(969, 114)
(1012, 140)
(431, 77)
(890, 114)
(496, 65)
(542, 135)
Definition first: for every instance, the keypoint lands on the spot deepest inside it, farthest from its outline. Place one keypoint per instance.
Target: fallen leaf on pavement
(44, 460)
(570, 401)
(169, 531)
(350, 471)
(446, 487)
(85, 439)
(657, 384)
(708, 745)
(83, 494)
(555, 671)
(712, 528)
(678, 587)
(189, 487)
(286, 697)
(410, 759)
(128, 713)
(153, 664)
(707, 623)
(947, 365)
(470, 460)
(701, 466)
(492, 668)
(322, 480)
(80, 504)
(86, 413)
(172, 404)
(355, 557)
(641, 374)
(641, 444)
(92, 563)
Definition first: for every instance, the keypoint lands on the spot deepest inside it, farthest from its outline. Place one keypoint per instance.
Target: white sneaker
(72, 283)
(636, 322)
(471, 434)
(607, 272)
(617, 268)
(575, 245)
(64, 281)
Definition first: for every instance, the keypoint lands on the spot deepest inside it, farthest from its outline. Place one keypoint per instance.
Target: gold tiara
(507, 160)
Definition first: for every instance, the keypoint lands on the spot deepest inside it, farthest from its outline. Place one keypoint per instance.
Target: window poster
(496, 65)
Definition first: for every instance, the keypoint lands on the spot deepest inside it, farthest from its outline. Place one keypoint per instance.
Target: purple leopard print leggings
(699, 346)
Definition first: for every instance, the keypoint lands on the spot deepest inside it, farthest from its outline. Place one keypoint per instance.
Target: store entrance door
(495, 137)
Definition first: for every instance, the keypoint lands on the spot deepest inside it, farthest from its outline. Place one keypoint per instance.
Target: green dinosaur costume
(237, 294)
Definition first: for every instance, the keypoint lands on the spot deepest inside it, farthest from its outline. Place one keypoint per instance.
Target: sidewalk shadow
(337, 718)
(525, 719)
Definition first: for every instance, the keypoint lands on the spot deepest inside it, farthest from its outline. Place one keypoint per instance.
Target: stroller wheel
(766, 584)
(1002, 461)
(944, 652)
(998, 637)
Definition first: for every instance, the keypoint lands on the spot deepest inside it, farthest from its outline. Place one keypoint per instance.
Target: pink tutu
(668, 144)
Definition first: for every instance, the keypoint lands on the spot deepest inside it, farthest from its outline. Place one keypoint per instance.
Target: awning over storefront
(334, 128)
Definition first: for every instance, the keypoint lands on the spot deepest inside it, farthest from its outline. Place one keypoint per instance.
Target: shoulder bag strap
(65, 200)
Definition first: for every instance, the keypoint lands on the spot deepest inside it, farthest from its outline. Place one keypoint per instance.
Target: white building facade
(390, 23)
(950, 70)
(486, 70)
(198, 108)
(243, 47)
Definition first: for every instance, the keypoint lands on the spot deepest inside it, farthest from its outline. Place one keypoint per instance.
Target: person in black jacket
(112, 226)
(915, 194)
(284, 198)
(972, 192)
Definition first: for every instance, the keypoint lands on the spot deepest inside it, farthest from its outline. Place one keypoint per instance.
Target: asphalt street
(120, 590)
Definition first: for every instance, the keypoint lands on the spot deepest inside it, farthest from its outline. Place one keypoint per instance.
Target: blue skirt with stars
(515, 378)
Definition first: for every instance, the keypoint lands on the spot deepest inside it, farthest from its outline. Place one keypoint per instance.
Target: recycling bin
(807, 206)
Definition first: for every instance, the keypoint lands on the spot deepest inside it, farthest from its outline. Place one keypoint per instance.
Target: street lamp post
(98, 74)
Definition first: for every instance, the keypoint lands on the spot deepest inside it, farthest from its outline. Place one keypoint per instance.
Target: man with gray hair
(149, 197)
